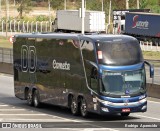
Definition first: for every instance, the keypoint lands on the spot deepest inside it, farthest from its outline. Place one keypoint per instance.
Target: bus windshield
(126, 52)
(123, 83)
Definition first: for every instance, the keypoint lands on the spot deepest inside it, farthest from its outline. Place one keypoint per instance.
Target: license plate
(126, 110)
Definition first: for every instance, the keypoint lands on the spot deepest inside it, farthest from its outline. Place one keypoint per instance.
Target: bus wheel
(83, 108)
(29, 98)
(74, 106)
(125, 114)
(36, 101)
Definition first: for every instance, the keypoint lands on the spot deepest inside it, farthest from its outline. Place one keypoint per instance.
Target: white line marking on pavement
(148, 117)
(23, 114)
(8, 75)
(49, 120)
(101, 129)
(154, 102)
(4, 105)
(29, 120)
(74, 120)
(12, 109)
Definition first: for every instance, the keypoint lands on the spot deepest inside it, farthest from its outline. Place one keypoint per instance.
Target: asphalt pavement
(13, 110)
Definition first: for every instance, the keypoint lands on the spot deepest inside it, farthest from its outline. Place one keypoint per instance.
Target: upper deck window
(119, 52)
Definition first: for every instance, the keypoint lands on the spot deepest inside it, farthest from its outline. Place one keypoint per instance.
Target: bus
(91, 73)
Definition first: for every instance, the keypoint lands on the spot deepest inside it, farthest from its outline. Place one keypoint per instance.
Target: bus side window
(89, 61)
(94, 79)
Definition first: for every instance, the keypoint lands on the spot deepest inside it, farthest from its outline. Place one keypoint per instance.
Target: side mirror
(151, 69)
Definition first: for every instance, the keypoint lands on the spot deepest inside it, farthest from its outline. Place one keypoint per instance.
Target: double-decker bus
(95, 73)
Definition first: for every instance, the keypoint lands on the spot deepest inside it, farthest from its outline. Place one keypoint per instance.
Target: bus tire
(74, 106)
(83, 108)
(29, 98)
(36, 100)
(125, 114)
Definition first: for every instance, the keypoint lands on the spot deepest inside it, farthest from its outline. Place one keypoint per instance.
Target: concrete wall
(152, 89)
(6, 68)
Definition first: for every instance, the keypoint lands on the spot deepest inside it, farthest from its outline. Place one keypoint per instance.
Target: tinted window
(119, 52)
(89, 63)
(88, 51)
(60, 60)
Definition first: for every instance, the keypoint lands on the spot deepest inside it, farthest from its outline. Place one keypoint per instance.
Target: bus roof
(93, 37)
(47, 35)
(107, 37)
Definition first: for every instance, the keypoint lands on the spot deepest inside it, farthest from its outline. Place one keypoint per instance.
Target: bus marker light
(104, 109)
(99, 54)
(95, 106)
(144, 107)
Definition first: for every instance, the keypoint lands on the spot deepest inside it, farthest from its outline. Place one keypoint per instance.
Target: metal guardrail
(149, 46)
(6, 55)
(25, 26)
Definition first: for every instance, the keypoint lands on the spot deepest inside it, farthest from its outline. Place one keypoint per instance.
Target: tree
(94, 5)
(23, 6)
(57, 4)
(143, 4)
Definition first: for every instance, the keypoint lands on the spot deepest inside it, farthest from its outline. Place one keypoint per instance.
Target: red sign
(11, 38)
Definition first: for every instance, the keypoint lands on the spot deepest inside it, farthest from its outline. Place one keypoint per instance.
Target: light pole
(127, 4)
(109, 16)
(6, 18)
(49, 10)
(102, 5)
(83, 15)
(0, 10)
(7, 9)
(14, 9)
(137, 4)
(65, 6)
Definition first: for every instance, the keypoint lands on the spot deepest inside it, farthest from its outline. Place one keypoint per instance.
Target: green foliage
(57, 4)
(151, 55)
(94, 5)
(154, 6)
(42, 18)
(23, 6)
(143, 4)
(37, 18)
(4, 42)
(70, 4)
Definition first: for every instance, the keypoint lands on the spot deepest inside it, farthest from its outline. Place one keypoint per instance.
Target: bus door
(91, 70)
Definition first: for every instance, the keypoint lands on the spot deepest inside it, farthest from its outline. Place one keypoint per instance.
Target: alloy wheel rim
(83, 108)
(35, 101)
(74, 107)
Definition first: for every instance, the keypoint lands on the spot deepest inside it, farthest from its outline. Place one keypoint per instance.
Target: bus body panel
(37, 63)
(60, 66)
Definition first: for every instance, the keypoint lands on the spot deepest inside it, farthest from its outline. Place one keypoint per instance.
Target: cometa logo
(139, 24)
(61, 66)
